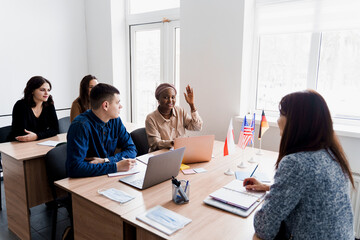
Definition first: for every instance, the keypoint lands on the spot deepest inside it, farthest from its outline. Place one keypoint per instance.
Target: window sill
(341, 130)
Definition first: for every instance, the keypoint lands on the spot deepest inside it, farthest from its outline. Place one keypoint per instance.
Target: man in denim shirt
(95, 134)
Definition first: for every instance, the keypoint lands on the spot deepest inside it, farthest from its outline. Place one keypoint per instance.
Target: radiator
(355, 201)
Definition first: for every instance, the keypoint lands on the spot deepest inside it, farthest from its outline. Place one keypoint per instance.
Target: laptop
(160, 168)
(198, 148)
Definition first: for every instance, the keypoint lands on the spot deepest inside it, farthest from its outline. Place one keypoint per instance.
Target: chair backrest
(140, 140)
(55, 161)
(64, 124)
(4, 134)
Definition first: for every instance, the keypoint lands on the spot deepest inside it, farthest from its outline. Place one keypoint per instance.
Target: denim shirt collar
(99, 123)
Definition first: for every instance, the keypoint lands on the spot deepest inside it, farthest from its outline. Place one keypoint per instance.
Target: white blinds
(280, 16)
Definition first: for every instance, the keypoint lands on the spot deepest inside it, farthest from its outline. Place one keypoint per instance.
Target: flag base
(252, 160)
(260, 152)
(229, 172)
(241, 165)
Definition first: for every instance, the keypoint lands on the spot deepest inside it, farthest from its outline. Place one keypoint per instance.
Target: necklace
(164, 114)
(37, 111)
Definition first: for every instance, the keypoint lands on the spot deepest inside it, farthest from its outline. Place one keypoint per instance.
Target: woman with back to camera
(34, 116)
(310, 197)
(168, 121)
(82, 103)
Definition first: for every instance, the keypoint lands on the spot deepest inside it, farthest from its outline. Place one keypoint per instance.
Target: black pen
(252, 174)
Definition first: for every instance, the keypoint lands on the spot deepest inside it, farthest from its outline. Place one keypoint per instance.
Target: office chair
(4, 137)
(64, 124)
(140, 140)
(55, 161)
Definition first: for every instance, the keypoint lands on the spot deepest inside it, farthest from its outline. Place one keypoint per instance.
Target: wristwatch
(106, 160)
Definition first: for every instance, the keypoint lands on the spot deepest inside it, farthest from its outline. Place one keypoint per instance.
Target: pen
(252, 174)
(187, 182)
(183, 194)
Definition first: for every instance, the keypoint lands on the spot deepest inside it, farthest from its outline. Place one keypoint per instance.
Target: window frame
(167, 62)
(249, 78)
(312, 76)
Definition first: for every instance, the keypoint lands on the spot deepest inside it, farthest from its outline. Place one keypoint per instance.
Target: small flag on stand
(264, 125)
(252, 129)
(246, 133)
(229, 146)
(246, 137)
(241, 136)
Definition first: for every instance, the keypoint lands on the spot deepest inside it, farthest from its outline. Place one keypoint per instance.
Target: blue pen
(187, 182)
(252, 174)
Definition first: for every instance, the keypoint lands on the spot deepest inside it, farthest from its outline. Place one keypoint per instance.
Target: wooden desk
(25, 181)
(96, 217)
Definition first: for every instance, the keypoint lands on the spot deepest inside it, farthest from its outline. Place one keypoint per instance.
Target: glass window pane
(146, 73)
(339, 72)
(142, 6)
(283, 67)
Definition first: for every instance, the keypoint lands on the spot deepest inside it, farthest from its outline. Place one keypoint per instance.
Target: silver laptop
(160, 168)
(198, 148)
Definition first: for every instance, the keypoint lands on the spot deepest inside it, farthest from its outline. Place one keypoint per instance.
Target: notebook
(229, 208)
(233, 197)
(198, 148)
(160, 168)
(164, 219)
(262, 177)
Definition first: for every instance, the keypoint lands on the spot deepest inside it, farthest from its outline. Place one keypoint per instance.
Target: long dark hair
(309, 127)
(33, 84)
(84, 98)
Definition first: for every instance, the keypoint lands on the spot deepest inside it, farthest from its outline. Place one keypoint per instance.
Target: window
(339, 72)
(154, 54)
(308, 44)
(283, 60)
(145, 69)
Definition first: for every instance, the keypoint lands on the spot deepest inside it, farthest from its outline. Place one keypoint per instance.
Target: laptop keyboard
(138, 182)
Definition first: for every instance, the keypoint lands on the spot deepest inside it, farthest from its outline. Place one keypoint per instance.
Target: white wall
(106, 41)
(98, 32)
(211, 57)
(41, 37)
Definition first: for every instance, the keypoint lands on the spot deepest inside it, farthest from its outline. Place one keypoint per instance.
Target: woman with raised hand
(168, 121)
(310, 197)
(34, 116)
(82, 103)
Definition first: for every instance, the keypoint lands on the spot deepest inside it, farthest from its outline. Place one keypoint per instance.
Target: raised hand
(189, 97)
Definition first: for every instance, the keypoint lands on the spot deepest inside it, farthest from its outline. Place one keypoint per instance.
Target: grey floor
(40, 221)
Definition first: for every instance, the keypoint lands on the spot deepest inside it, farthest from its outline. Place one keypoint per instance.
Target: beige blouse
(75, 110)
(161, 132)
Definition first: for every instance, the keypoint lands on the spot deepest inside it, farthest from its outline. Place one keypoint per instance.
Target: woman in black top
(34, 116)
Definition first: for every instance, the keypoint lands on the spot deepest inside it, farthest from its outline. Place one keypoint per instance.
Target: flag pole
(260, 152)
(229, 146)
(252, 159)
(241, 164)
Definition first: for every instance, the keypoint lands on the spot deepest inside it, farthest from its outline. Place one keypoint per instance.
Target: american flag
(252, 129)
(247, 136)
(246, 133)
(241, 136)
